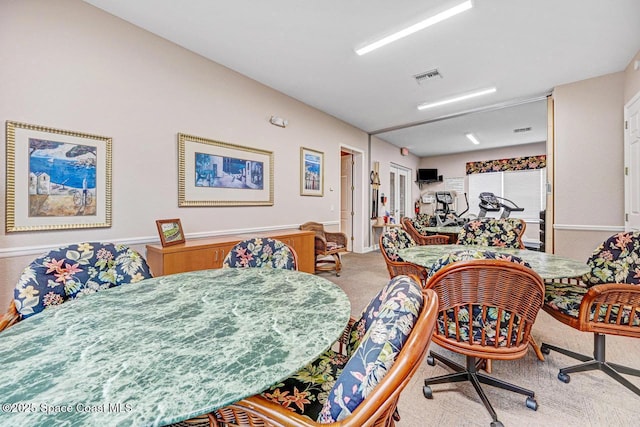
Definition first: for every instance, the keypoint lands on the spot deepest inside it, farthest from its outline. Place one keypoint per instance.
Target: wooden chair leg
(338, 264)
(536, 348)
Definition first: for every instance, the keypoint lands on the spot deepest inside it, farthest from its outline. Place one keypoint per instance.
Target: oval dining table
(166, 349)
(548, 266)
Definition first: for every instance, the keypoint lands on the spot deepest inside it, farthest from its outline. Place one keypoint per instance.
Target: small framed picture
(311, 172)
(170, 231)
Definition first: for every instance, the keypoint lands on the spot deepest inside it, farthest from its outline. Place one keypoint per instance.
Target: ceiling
(306, 50)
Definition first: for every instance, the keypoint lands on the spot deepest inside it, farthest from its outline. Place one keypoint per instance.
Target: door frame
(359, 222)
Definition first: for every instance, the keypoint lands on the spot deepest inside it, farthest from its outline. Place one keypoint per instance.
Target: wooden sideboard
(203, 254)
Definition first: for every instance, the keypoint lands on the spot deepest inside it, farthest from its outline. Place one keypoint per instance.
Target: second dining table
(166, 349)
(548, 266)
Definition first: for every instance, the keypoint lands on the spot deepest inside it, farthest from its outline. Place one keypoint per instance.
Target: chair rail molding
(579, 227)
(143, 240)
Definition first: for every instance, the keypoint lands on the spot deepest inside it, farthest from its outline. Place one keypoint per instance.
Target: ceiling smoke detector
(520, 130)
(427, 75)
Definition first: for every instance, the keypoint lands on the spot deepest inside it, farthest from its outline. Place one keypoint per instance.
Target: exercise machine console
(489, 202)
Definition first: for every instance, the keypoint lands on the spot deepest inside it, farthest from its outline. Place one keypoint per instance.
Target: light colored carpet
(590, 399)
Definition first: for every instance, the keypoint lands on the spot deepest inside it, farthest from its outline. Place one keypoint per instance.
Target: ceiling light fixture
(472, 138)
(416, 27)
(457, 98)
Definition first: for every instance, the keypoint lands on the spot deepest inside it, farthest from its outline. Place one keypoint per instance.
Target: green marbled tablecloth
(548, 266)
(165, 349)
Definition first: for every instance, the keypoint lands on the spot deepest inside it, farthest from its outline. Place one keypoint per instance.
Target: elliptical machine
(489, 202)
(445, 216)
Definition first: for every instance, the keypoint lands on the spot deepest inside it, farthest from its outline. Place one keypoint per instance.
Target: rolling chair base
(471, 374)
(326, 264)
(597, 362)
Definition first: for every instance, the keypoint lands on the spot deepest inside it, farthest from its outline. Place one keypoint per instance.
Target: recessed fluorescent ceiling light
(456, 98)
(472, 138)
(416, 27)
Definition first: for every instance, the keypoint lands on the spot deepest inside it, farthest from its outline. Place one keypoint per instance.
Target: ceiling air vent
(427, 75)
(520, 130)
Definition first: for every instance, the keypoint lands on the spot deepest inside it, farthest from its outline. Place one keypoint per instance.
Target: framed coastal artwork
(214, 173)
(311, 172)
(170, 231)
(56, 179)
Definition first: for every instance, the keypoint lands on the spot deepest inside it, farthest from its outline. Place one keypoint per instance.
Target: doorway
(399, 193)
(352, 192)
(632, 164)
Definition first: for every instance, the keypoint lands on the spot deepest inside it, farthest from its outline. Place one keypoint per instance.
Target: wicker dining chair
(605, 301)
(488, 303)
(503, 232)
(328, 247)
(390, 242)
(70, 272)
(359, 387)
(422, 239)
(261, 252)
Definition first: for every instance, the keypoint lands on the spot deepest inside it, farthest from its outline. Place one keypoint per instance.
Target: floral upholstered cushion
(566, 298)
(269, 253)
(422, 221)
(388, 330)
(306, 391)
(616, 260)
(492, 327)
(504, 232)
(395, 239)
(75, 270)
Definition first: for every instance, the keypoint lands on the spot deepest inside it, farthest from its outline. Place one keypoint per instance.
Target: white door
(346, 194)
(399, 203)
(632, 164)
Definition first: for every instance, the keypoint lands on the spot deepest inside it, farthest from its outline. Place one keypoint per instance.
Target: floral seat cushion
(388, 320)
(260, 252)
(491, 327)
(395, 239)
(400, 304)
(422, 221)
(306, 391)
(75, 270)
(566, 298)
(616, 260)
(504, 232)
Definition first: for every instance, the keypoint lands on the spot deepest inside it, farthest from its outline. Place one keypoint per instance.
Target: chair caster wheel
(337, 274)
(431, 361)
(544, 349)
(496, 423)
(428, 393)
(564, 377)
(532, 403)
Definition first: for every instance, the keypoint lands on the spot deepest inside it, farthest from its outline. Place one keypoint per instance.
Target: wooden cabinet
(203, 254)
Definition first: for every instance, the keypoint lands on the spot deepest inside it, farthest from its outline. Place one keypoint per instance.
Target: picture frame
(170, 231)
(215, 173)
(56, 179)
(311, 172)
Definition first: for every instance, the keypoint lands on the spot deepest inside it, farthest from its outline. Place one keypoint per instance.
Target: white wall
(68, 65)
(589, 180)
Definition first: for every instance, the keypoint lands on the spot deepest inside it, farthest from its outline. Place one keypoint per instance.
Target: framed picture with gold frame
(311, 172)
(170, 231)
(56, 179)
(214, 173)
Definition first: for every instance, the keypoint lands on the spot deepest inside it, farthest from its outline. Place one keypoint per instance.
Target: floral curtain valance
(501, 165)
